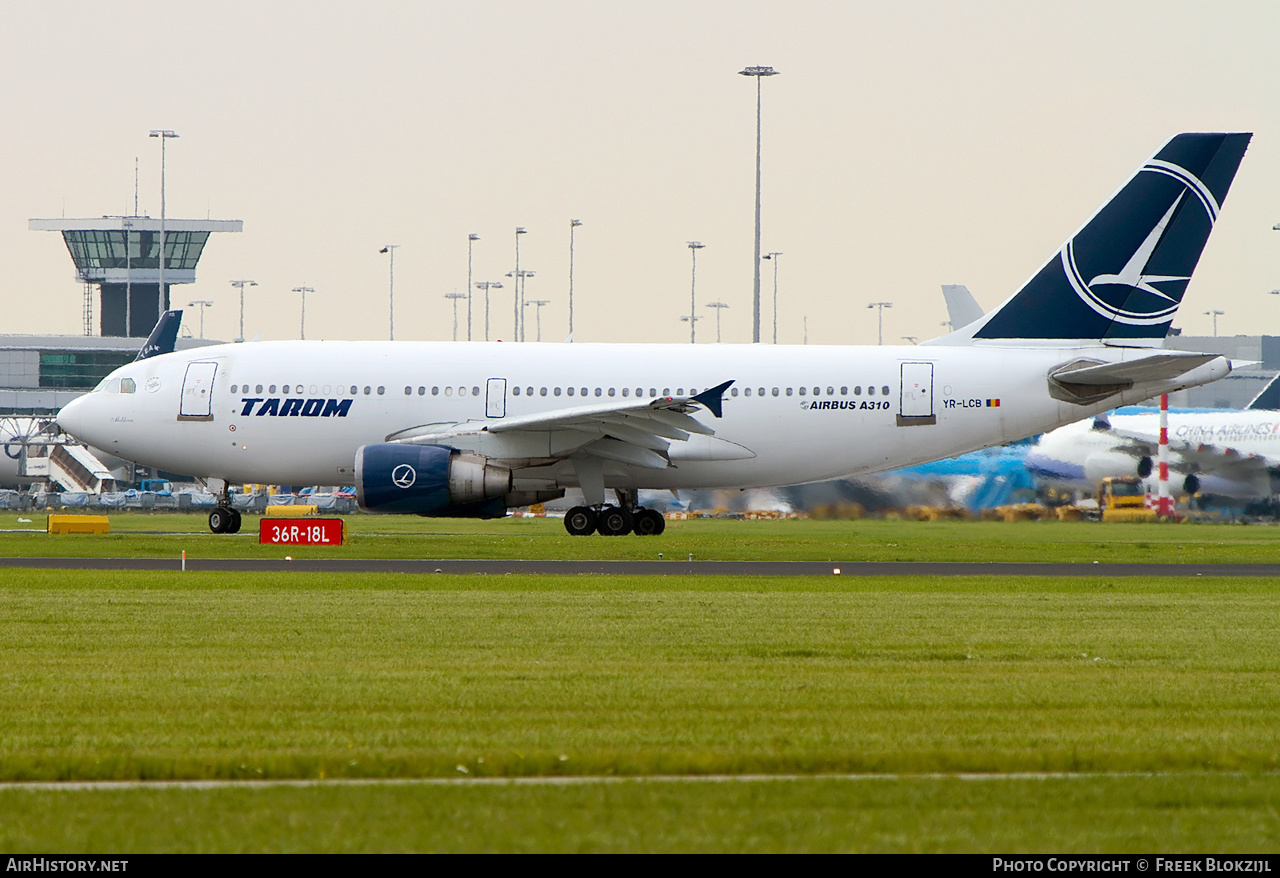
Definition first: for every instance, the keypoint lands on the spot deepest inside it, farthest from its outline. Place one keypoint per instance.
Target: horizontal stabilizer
(1160, 367)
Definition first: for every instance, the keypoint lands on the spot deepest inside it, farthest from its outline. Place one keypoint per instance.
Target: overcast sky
(906, 145)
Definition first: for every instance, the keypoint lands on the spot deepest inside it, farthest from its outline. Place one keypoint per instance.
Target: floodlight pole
(241, 284)
(694, 247)
(471, 239)
(773, 257)
(163, 134)
(759, 73)
(302, 332)
(390, 250)
(573, 224)
(880, 314)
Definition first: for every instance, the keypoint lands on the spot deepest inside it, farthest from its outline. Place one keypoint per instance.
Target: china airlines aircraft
(473, 429)
(1231, 454)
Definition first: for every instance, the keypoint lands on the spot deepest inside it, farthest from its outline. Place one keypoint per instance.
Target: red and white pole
(1165, 506)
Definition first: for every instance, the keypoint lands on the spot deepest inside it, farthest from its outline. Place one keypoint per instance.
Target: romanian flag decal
(993, 403)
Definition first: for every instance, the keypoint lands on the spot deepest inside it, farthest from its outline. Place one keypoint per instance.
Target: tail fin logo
(1137, 293)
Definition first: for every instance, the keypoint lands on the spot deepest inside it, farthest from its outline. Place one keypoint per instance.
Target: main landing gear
(223, 519)
(613, 521)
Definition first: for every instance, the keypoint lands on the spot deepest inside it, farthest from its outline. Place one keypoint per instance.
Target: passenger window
(788, 391)
(258, 389)
(515, 391)
(611, 391)
(626, 391)
(844, 391)
(408, 391)
(599, 391)
(381, 390)
(273, 388)
(569, 391)
(462, 391)
(584, 391)
(233, 387)
(747, 392)
(871, 391)
(285, 390)
(857, 390)
(653, 391)
(885, 390)
(542, 392)
(556, 391)
(448, 391)
(422, 391)
(734, 391)
(817, 391)
(775, 391)
(802, 391)
(435, 391)
(475, 391)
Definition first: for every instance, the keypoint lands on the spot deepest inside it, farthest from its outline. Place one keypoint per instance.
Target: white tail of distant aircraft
(473, 429)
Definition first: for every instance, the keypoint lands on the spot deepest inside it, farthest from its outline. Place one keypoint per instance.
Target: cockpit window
(113, 385)
(127, 385)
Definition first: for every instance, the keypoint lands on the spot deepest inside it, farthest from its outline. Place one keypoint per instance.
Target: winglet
(163, 338)
(713, 399)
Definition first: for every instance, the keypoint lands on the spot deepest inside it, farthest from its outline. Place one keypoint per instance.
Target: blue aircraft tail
(1268, 399)
(163, 338)
(1122, 276)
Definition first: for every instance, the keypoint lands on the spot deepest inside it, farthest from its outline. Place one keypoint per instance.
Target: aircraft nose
(71, 417)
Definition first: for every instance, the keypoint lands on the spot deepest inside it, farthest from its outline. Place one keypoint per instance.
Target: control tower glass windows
(95, 250)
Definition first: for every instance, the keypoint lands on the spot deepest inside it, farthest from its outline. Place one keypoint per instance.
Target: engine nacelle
(429, 480)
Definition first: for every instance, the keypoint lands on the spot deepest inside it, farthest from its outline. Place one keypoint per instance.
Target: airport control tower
(121, 255)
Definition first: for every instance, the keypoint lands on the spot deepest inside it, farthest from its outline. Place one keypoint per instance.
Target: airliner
(1223, 454)
(473, 429)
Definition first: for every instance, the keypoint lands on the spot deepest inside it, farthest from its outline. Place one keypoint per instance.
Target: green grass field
(1158, 699)
(374, 536)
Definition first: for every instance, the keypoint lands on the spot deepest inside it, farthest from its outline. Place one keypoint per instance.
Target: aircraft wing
(1191, 457)
(638, 432)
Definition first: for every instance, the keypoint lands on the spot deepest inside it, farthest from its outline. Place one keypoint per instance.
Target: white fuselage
(295, 412)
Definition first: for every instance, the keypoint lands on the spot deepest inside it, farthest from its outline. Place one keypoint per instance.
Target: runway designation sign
(296, 532)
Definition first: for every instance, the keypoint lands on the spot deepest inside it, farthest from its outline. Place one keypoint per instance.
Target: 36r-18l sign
(294, 532)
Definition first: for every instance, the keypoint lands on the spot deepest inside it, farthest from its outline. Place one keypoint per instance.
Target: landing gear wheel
(614, 521)
(233, 526)
(649, 522)
(580, 521)
(220, 520)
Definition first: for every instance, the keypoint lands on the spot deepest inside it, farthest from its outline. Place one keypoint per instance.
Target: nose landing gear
(223, 519)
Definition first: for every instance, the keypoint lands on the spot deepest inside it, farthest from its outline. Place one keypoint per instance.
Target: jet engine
(430, 480)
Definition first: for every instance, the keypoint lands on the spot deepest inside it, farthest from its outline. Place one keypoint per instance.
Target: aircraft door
(495, 403)
(916, 407)
(197, 392)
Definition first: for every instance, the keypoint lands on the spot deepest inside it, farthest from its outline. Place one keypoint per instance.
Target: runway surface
(648, 568)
